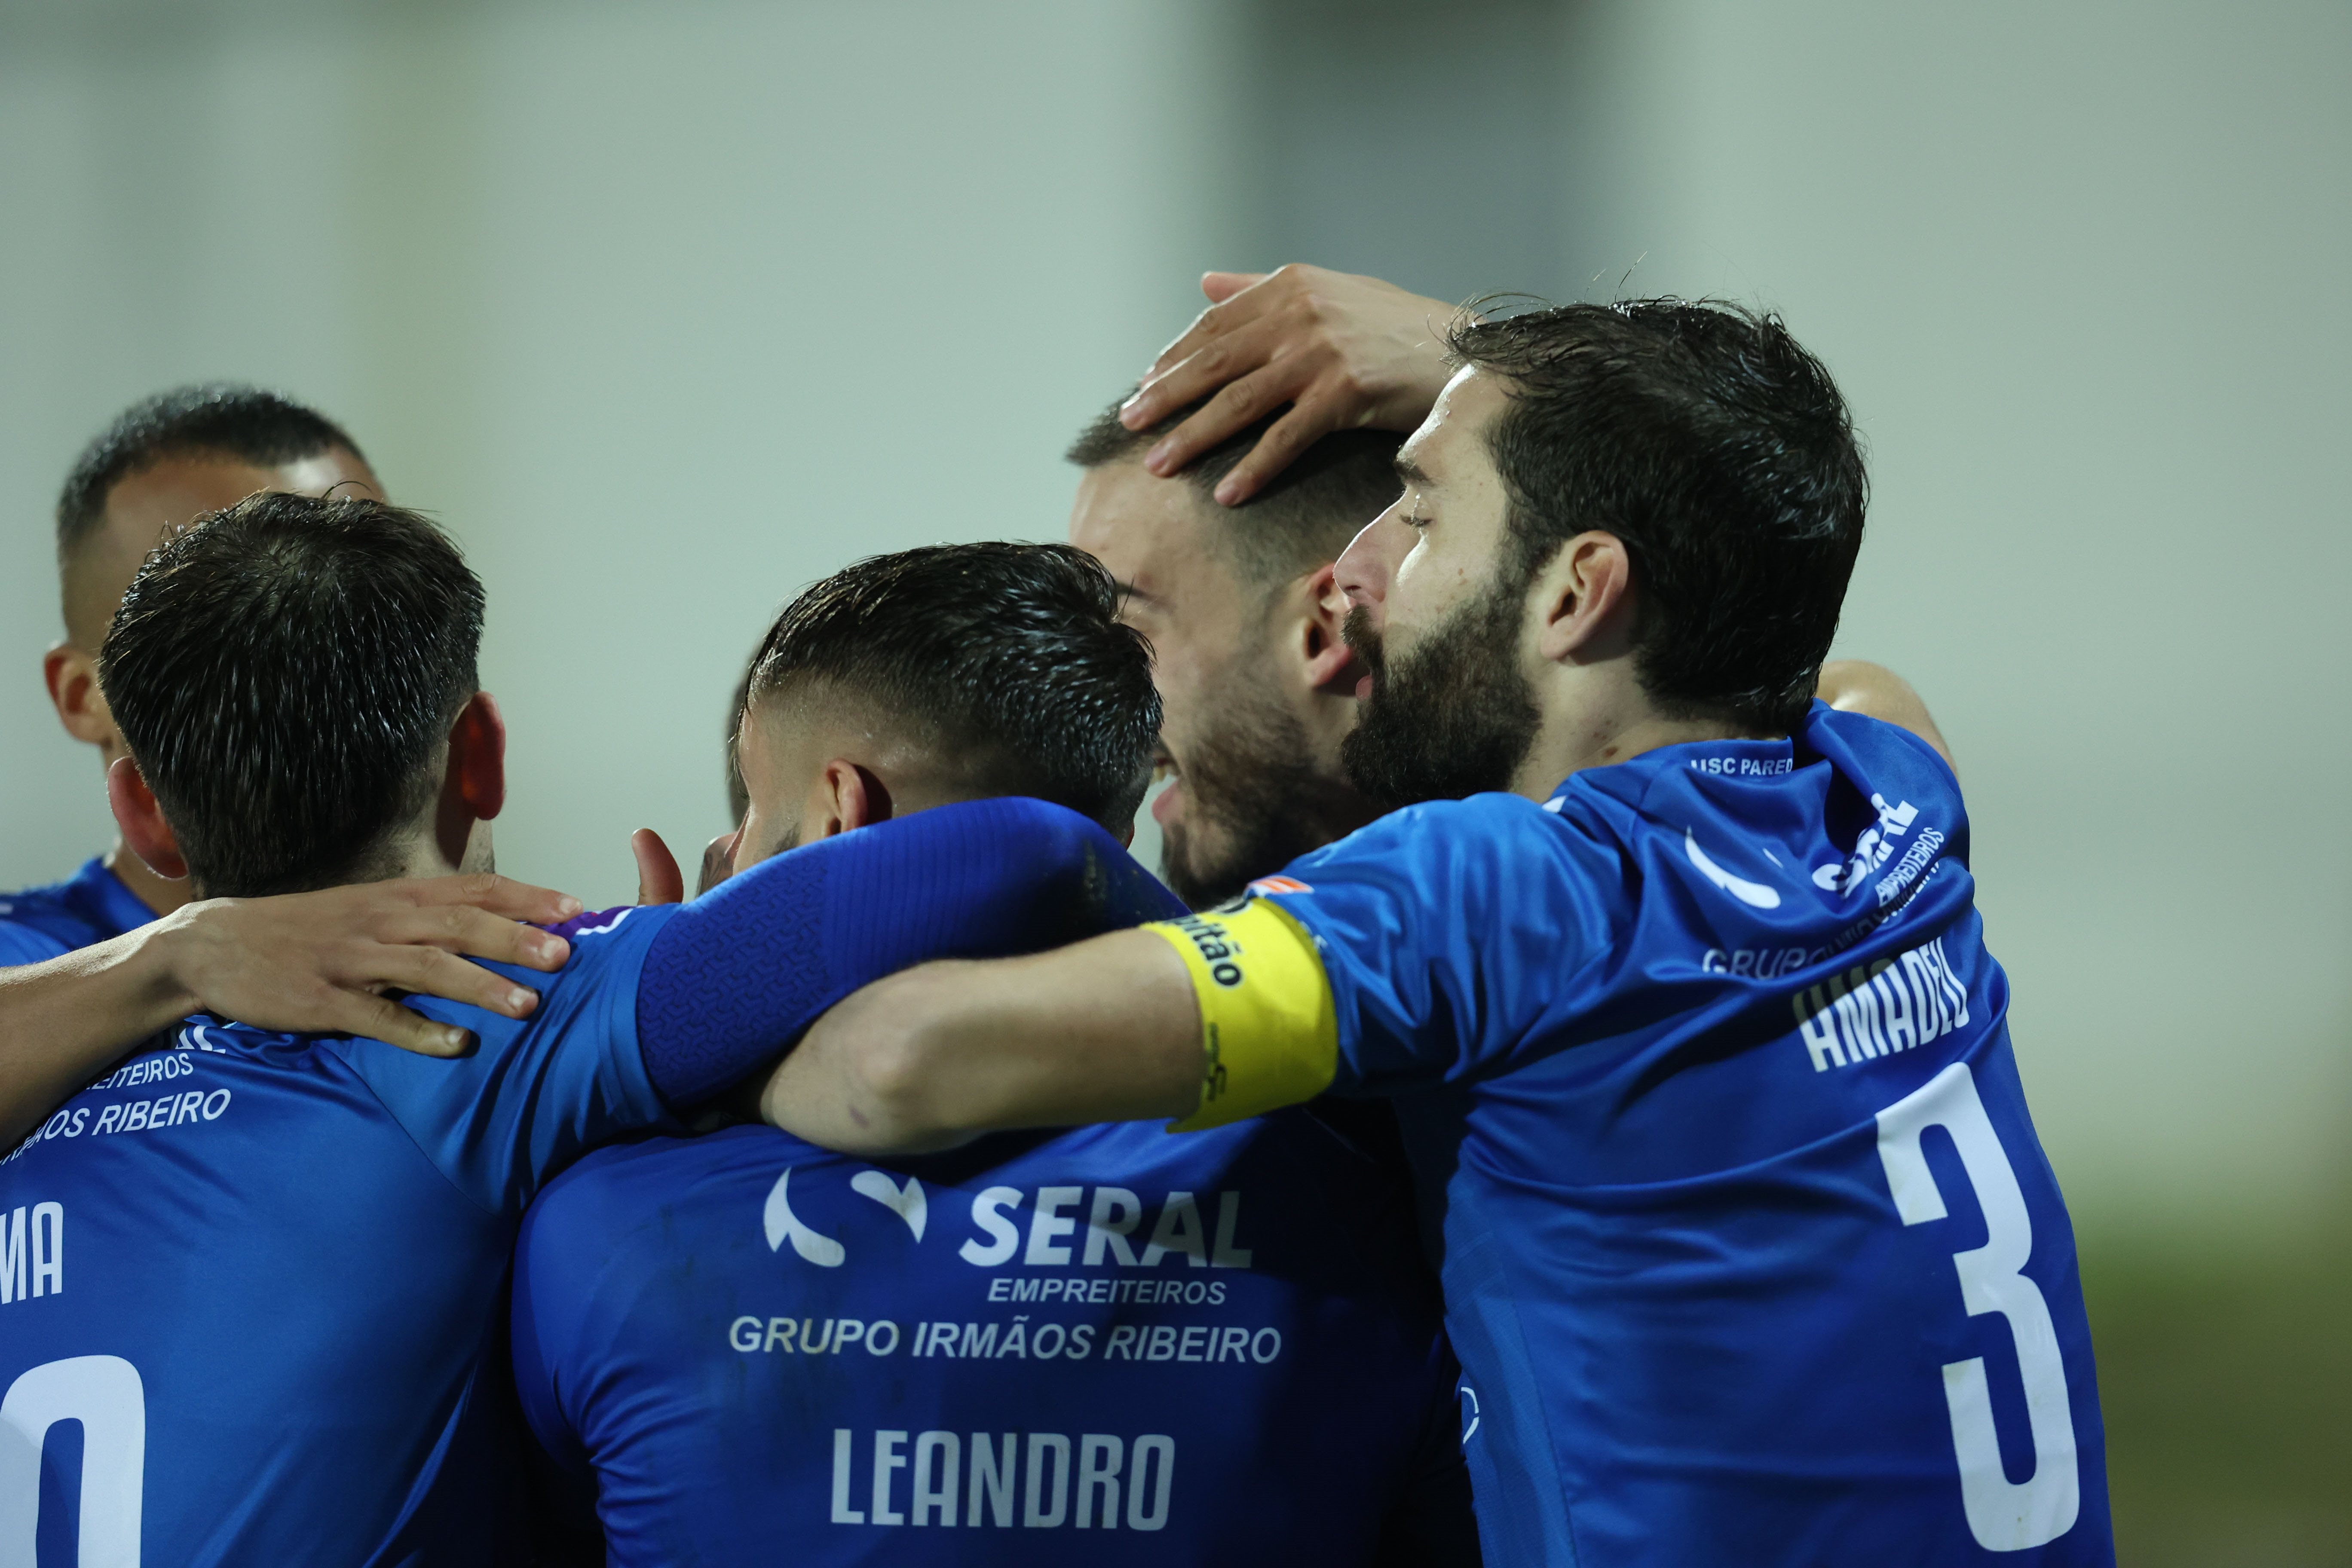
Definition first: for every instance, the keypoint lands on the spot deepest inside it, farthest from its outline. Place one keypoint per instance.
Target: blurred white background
(667, 309)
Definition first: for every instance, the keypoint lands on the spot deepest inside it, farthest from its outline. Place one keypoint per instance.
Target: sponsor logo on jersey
(1113, 1218)
(1878, 845)
(1755, 895)
(1279, 884)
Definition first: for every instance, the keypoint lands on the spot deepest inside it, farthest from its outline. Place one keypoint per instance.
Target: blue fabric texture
(90, 906)
(739, 974)
(281, 1318)
(1706, 1076)
(740, 1340)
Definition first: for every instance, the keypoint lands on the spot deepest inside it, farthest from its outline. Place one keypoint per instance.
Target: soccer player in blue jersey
(277, 1334)
(1043, 1349)
(1675, 979)
(87, 970)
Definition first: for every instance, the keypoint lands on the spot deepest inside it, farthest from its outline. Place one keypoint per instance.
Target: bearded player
(1674, 977)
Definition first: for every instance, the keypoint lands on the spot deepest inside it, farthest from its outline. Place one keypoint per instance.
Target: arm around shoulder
(1854, 686)
(1106, 1030)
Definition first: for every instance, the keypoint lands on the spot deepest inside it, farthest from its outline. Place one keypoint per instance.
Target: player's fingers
(498, 895)
(1285, 440)
(1221, 287)
(380, 1019)
(429, 970)
(475, 934)
(1196, 356)
(1270, 346)
(659, 881)
(1235, 408)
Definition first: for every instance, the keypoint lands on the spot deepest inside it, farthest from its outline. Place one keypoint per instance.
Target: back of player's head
(1704, 437)
(217, 418)
(1301, 520)
(1006, 662)
(285, 673)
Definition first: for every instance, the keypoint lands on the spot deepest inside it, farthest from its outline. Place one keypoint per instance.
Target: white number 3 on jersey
(2004, 1515)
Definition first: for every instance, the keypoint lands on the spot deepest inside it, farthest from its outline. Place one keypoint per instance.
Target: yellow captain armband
(1269, 1034)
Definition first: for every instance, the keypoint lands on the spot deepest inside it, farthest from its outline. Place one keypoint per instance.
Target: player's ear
(478, 756)
(72, 678)
(141, 820)
(1583, 600)
(1330, 664)
(845, 796)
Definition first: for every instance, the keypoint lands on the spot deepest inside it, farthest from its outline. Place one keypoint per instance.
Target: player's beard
(1454, 717)
(1257, 801)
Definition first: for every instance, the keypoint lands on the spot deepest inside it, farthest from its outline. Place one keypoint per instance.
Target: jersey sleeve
(1419, 951)
(532, 1097)
(21, 945)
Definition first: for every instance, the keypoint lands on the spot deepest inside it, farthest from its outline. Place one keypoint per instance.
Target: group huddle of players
(1558, 1108)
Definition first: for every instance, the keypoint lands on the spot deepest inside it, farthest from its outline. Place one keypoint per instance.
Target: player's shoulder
(598, 936)
(54, 918)
(595, 987)
(1431, 836)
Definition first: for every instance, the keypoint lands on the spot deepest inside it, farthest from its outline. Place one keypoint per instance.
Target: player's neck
(1608, 721)
(159, 894)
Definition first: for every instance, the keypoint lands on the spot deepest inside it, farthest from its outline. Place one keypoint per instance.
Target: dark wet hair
(1302, 518)
(242, 422)
(1704, 437)
(285, 673)
(1009, 659)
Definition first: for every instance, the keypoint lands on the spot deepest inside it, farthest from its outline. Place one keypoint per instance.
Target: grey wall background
(669, 309)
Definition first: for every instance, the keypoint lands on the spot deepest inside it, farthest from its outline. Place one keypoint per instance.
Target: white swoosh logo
(820, 1250)
(1755, 894)
(908, 1202)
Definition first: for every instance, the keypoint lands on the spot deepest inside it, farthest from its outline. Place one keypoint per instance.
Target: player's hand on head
(1345, 353)
(321, 962)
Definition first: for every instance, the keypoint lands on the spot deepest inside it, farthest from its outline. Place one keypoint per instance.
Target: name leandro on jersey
(1874, 1010)
(919, 1479)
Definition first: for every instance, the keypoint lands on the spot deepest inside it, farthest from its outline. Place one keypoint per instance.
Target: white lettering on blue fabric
(1876, 1009)
(919, 1480)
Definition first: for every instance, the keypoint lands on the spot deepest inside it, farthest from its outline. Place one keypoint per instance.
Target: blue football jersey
(1750, 1252)
(91, 906)
(251, 1303)
(1100, 1345)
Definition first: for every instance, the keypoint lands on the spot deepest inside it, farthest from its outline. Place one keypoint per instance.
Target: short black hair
(285, 673)
(1707, 441)
(243, 422)
(1305, 515)
(1010, 657)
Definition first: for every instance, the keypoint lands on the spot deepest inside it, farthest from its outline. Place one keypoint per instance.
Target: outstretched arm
(313, 963)
(1345, 353)
(1106, 1030)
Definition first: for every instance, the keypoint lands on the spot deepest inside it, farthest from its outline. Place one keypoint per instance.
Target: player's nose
(1362, 569)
